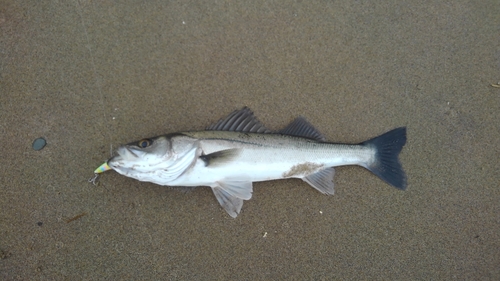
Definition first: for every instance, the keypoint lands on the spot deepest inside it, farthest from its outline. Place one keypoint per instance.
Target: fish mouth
(125, 153)
(122, 155)
(131, 152)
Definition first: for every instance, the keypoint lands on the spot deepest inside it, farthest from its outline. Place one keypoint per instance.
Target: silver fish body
(239, 150)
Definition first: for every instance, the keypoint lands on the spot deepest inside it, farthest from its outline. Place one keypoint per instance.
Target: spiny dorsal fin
(301, 128)
(241, 120)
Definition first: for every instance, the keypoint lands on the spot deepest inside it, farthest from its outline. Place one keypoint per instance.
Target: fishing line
(98, 84)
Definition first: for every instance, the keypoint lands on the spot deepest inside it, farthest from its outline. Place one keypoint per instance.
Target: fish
(231, 154)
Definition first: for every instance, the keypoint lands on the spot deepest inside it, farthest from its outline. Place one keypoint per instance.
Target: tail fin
(386, 165)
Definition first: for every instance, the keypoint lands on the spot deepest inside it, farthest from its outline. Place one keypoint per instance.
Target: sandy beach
(88, 76)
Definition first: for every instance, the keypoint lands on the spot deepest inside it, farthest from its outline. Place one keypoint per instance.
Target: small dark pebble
(39, 223)
(4, 255)
(39, 143)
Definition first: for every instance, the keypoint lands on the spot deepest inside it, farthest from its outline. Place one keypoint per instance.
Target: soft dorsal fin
(241, 120)
(301, 128)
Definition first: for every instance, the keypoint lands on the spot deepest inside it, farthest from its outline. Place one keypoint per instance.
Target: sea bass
(238, 150)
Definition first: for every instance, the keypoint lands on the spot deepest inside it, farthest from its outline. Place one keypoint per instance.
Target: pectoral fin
(220, 157)
(231, 195)
(322, 180)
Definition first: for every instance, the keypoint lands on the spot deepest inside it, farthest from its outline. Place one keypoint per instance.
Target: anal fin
(322, 180)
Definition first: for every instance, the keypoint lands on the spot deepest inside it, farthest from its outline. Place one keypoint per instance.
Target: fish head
(138, 159)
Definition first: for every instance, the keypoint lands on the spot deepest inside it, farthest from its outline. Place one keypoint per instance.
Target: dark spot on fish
(244, 136)
(39, 223)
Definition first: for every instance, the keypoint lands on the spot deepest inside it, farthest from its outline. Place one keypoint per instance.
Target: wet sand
(90, 75)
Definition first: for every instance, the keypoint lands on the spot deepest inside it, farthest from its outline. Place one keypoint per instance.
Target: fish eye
(144, 143)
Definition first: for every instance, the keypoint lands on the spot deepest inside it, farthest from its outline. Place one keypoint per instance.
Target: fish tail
(386, 165)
